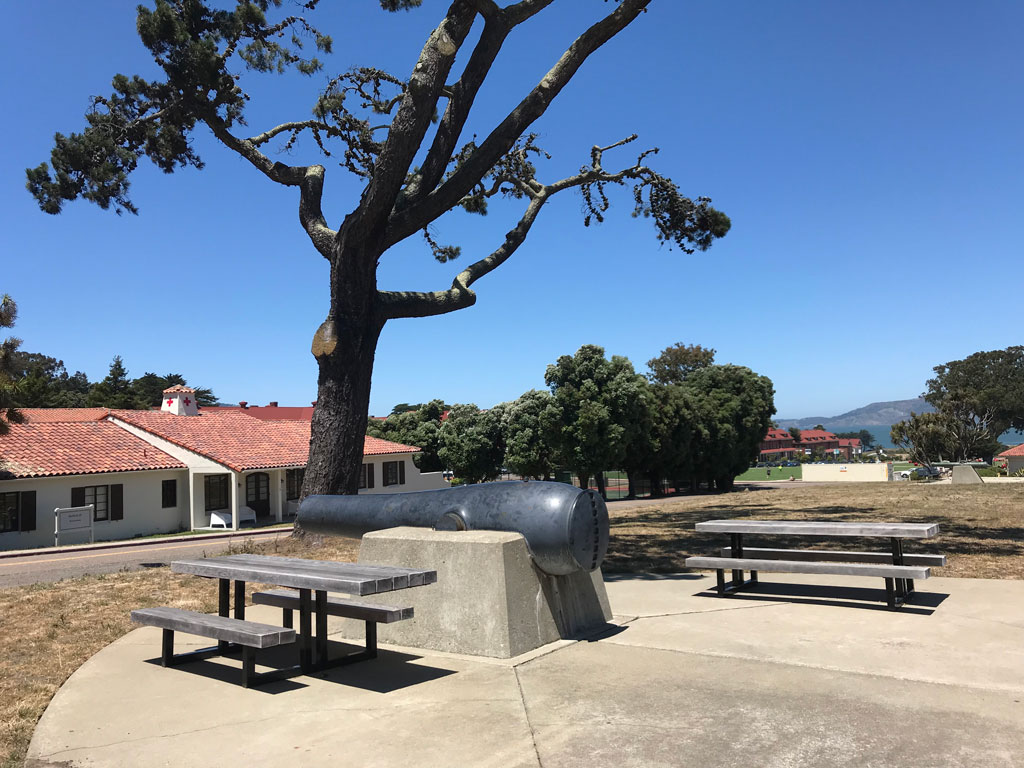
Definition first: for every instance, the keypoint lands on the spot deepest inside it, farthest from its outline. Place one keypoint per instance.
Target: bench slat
(794, 566)
(336, 606)
(820, 528)
(835, 556)
(231, 630)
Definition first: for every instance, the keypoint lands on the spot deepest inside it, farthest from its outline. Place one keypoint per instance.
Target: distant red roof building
(272, 412)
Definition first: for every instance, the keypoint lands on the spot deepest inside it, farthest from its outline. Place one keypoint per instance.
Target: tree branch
(415, 112)
(396, 304)
(499, 23)
(407, 221)
(309, 179)
(459, 296)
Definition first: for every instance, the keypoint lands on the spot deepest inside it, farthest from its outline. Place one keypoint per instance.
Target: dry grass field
(49, 630)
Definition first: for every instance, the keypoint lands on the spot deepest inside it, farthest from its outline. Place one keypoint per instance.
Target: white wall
(1014, 464)
(414, 479)
(849, 473)
(143, 513)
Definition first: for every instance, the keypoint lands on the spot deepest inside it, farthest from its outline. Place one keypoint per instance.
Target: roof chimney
(272, 404)
(179, 400)
(243, 403)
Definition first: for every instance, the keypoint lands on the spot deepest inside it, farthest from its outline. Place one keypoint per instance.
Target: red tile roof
(42, 449)
(1017, 450)
(180, 388)
(54, 415)
(853, 442)
(267, 412)
(810, 435)
(778, 434)
(239, 441)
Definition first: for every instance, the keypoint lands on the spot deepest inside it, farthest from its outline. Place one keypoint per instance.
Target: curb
(140, 542)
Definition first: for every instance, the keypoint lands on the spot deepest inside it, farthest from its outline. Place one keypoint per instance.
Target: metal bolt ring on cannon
(565, 527)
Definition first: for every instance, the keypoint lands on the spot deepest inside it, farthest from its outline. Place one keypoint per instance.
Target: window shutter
(28, 510)
(78, 497)
(369, 475)
(401, 472)
(117, 502)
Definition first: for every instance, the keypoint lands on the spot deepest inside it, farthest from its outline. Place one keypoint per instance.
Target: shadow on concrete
(390, 671)
(601, 633)
(921, 603)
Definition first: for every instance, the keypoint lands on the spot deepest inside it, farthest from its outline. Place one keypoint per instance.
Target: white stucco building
(161, 471)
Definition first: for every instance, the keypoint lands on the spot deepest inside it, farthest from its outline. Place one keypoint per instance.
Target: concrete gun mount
(566, 528)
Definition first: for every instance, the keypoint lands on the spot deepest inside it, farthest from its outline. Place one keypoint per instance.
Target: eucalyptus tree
(379, 125)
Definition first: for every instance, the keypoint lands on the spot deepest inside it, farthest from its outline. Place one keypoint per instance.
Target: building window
(107, 501)
(169, 493)
(394, 473)
(217, 491)
(293, 482)
(9, 512)
(366, 476)
(98, 496)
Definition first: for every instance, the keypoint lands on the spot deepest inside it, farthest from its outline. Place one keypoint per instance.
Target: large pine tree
(380, 126)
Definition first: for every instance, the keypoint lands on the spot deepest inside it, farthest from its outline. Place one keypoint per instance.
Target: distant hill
(873, 415)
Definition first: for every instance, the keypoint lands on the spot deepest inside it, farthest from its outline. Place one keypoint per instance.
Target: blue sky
(869, 155)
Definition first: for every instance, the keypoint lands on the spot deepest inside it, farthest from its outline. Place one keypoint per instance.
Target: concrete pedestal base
(489, 599)
(966, 475)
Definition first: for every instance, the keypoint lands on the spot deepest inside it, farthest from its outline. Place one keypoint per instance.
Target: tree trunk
(631, 493)
(584, 479)
(344, 347)
(600, 485)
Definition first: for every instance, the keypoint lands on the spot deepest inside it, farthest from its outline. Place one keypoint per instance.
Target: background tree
(924, 436)
(867, 440)
(44, 382)
(420, 427)
(526, 426)
(379, 125)
(149, 389)
(988, 386)
(590, 436)
(733, 407)
(115, 391)
(8, 348)
(471, 444)
(677, 362)
(673, 434)
(794, 432)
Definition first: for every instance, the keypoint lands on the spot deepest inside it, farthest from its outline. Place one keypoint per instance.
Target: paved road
(31, 569)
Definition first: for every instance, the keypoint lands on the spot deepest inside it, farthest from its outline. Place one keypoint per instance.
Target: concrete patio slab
(796, 675)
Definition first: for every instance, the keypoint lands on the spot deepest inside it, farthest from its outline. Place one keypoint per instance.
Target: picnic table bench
(897, 569)
(311, 580)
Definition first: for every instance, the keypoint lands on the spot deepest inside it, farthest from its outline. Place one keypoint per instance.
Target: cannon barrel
(566, 528)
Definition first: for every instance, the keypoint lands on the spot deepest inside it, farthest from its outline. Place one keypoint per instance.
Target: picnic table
(313, 579)
(897, 568)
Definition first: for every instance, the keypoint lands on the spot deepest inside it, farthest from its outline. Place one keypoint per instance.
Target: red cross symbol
(170, 401)
(187, 401)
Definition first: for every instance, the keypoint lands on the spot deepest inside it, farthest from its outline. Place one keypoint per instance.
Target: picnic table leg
(305, 630)
(321, 626)
(737, 551)
(224, 608)
(240, 600)
(897, 559)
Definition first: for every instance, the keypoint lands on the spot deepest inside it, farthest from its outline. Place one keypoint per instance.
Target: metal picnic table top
(299, 573)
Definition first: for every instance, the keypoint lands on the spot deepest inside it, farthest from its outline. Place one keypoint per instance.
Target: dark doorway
(257, 493)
